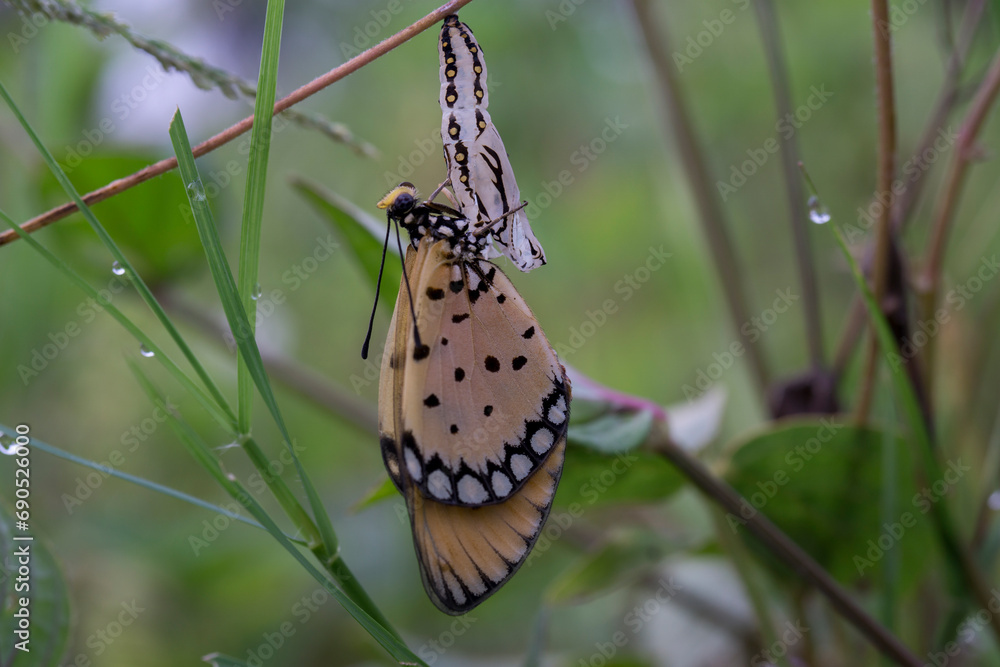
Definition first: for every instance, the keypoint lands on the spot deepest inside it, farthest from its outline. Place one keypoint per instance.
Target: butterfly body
(480, 171)
(473, 418)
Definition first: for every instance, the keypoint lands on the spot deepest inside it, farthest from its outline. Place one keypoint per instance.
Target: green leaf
(381, 492)
(613, 432)
(592, 478)
(48, 597)
(253, 196)
(615, 564)
(145, 222)
(820, 482)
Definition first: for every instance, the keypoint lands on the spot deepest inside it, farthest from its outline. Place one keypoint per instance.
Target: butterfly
(473, 407)
(478, 167)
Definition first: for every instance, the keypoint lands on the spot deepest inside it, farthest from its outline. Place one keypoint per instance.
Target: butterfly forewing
(480, 171)
(483, 408)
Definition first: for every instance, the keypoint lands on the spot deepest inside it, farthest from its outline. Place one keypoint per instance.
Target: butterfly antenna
(378, 285)
(409, 292)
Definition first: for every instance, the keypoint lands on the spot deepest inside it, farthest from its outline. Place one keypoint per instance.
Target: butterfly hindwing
(466, 554)
(480, 171)
(483, 409)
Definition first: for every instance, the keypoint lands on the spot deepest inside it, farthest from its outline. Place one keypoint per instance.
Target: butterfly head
(399, 201)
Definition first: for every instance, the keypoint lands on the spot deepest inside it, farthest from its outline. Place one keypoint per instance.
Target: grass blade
(382, 632)
(222, 414)
(140, 286)
(256, 186)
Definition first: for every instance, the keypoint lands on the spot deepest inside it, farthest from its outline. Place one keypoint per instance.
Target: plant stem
(884, 174)
(782, 547)
(797, 217)
(946, 99)
(927, 286)
(224, 137)
(678, 120)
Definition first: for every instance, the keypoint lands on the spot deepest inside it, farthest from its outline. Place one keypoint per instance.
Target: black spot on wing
(488, 410)
(518, 362)
(492, 364)
(528, 333)
(421, 352)
(459, 374)
(458, 319)
(501, 297)
(432, 401)
(435, 293)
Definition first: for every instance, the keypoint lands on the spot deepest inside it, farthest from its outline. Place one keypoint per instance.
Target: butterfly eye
(402, 205)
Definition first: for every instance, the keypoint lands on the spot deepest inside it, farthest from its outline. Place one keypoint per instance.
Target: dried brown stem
(885, 171)
(227, 135)
(678, 121)
(783, 548)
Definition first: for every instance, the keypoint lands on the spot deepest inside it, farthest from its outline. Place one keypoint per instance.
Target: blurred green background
(560, 73)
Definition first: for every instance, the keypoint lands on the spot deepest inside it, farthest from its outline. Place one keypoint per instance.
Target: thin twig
(782, 547)
(929, 283)
(224, 137)
(713, 222)
(947, 96)
(771, 37)
(883, 183)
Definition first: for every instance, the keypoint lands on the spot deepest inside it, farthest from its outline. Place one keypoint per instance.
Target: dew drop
(258, 291)
(818, 213)
(196, 190)
(117, 269)
(145, 351)
(994, 501)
